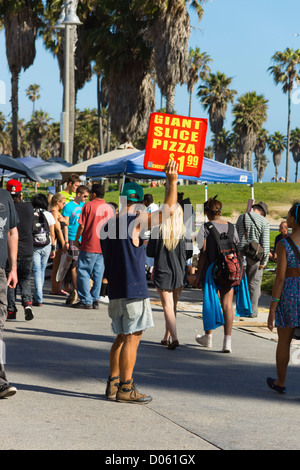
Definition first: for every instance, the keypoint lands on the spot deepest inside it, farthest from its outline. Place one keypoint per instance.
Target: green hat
(133, 191)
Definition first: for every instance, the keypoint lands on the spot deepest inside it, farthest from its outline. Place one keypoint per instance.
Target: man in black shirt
(8, 251)
(25, 253)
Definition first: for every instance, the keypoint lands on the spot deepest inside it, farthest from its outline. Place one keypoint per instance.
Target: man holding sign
(129, 304)
(178, 138)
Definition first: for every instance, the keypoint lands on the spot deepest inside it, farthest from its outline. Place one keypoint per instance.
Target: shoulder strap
(294, 247)
(213, 231)
(230, 231)
(253, 220)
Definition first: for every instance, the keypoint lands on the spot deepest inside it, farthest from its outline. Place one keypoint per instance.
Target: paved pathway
(202, 399)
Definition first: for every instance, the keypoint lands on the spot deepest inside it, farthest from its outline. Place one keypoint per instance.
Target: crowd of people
(86, 238)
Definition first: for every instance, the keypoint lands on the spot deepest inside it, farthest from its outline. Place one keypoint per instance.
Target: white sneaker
(227, 345)
(104, 300)
(204, 340)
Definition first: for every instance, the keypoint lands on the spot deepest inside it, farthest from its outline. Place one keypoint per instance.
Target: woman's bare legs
(169, 301)
(285, 336)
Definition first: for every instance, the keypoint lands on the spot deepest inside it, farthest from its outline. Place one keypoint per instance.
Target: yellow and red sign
(179, 138)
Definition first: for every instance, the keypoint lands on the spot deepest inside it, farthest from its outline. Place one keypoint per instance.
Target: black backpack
(228, 268)
(40, 228)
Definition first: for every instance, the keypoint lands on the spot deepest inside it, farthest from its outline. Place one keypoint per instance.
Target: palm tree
(286, 72)
(223, 142)
(198, 68)
(21, 20)
(260, 164)
(295, 148)
(276, 144)
(215, 95)
(38, 128)
(261, 161)
(170, 34)
(250, 113)
(33, 93)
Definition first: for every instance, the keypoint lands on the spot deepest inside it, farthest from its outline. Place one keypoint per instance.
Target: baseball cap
(133, 192)
(13, 186)
(261, 205)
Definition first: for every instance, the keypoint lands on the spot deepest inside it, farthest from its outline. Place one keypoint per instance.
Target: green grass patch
(234, 197)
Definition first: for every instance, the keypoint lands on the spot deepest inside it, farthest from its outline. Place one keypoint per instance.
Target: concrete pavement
(202, 399)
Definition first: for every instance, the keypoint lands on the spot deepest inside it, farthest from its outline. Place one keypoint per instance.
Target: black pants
(3, 313)
(24, 270)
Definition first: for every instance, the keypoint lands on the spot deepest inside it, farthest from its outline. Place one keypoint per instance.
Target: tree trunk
(296, 174)
(170, 100)
(190, 102)
(14, 109)
(288, 138)
(108, 132)
(100, 130)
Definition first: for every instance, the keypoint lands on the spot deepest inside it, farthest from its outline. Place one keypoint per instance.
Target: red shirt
(93, 215)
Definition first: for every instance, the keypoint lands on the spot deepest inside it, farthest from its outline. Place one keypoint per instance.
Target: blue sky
(239, 35)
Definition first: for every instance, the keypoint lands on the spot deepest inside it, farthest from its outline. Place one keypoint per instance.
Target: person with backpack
(25, 254)
(213, 237)
(254, 230)
(43, 244)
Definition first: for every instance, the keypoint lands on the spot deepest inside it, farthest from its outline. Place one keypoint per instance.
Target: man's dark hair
(148, 198)
(39, 200)
(98, 189)
(82, 189)
(73, 178)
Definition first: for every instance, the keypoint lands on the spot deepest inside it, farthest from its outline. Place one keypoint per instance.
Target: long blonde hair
(172, 229)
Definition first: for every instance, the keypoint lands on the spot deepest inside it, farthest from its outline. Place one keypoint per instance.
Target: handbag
(252, 249)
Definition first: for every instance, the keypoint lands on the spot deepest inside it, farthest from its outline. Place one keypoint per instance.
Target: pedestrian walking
(284, 311)
(43, 244)
(129, 303)
(8, 252)
(58, 202)
(254, 227)
(71, 213)
(208, 255)
(90, 259)
(170, 250)
(25, 254)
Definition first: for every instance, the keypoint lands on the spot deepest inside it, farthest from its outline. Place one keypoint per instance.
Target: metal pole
(67, 94)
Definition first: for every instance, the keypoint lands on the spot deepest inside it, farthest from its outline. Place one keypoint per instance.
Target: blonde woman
(61, 233)
(168, 246)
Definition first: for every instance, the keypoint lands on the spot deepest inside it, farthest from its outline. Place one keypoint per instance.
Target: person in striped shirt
(258, 229)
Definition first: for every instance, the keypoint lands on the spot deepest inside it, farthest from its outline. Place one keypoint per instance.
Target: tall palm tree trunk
(288, 137)
(15, 107)
(190, 101)
(100, 129)
(170, 100)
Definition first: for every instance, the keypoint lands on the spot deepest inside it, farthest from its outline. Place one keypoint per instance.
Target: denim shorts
(130, 315)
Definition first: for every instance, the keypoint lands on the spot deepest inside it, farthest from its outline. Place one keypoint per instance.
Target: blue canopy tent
(133, 166)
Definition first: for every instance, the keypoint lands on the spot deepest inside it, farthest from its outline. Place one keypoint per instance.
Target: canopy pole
(205, 192)
(252, 191)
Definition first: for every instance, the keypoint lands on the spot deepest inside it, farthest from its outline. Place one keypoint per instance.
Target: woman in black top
(168, 247)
